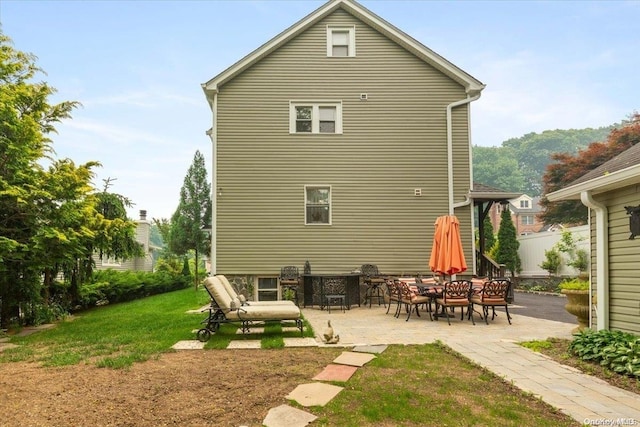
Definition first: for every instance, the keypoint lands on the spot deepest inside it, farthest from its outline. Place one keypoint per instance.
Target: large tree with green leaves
(568, 168)
(26, 120)
(50, 219)
(519, 164)
(193, 215)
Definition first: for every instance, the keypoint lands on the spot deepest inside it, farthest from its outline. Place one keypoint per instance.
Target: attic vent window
(341, 41)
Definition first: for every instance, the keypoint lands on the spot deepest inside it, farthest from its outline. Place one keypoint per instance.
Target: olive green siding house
(338, 142)
(615, 257)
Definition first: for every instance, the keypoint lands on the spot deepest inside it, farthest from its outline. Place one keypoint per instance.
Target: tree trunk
(196, 270)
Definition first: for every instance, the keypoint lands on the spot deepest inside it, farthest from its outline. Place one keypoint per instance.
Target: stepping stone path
(316, 393)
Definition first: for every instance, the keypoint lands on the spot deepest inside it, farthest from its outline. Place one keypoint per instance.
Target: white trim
(608, 182)
(315, 116)
(330, 204)
(213, 135)
(351, 46)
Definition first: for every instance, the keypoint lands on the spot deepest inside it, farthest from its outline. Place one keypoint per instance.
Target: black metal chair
(290, 280)
(493, 294)
(374, 282)
(456, 293)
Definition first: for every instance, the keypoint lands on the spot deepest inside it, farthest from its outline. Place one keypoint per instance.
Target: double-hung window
(317, 205)
(315, 117)
(341, 41)
(527, 219)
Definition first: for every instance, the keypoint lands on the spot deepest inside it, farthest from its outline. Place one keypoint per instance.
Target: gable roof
(472, 85)
(620, 171)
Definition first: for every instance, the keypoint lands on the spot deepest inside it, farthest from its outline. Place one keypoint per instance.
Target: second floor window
(315, 117)
(524, 203)
(317, 205)
(527, 220)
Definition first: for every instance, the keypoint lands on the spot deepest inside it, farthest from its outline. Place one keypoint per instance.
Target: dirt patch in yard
(186, 388)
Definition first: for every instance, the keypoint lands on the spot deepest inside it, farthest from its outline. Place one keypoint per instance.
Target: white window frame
(351, 47)
(315, 116)
(275, 289)
(306, 221)
(111, 262)
(524, 204)
(528, 219)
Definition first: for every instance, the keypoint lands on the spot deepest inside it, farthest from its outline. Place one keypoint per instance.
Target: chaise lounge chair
(243, 301)
(224, 309)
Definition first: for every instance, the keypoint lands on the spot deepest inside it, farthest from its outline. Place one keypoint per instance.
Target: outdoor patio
(372, 326)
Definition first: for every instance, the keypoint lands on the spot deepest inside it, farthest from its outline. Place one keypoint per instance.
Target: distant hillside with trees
(519, 164)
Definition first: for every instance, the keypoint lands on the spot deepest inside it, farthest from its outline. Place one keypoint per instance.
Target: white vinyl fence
(532, 249)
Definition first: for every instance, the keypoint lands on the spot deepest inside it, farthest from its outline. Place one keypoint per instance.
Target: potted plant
(577, 292)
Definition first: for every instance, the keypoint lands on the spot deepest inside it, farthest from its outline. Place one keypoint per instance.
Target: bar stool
(290, 280)
(374, 283)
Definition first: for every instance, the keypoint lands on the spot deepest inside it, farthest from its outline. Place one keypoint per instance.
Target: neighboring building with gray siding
(338, 142)
(145, 263)
(615, 258)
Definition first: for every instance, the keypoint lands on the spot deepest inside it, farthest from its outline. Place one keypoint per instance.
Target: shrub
(110, 286)
(615, 350)
(576, 284)
(552, 261)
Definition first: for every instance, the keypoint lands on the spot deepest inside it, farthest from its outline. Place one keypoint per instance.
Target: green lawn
(404, 386)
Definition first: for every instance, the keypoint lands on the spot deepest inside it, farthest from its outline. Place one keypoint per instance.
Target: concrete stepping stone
(353, 358)
(6, 346)
(287, 416)
(188, 345)
(336, 373)
(300, 342)
(33, 329)
(244, 344)
(376, 349)
(314, 394)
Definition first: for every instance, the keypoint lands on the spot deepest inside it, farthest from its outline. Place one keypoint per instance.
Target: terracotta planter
(578, 305)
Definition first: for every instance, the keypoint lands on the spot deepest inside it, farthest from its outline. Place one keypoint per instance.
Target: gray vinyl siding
(624, 262)
(391, 144)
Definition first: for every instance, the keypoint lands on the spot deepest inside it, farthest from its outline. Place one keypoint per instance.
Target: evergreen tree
(193, 214)
(489, 236)
(508, 244)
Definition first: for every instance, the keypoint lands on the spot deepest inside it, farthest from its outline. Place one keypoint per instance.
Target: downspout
(450, 107)
(602, 255)
(452, 206)
(213, 134)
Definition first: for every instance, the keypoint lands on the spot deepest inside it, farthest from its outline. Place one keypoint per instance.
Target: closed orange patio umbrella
(447, 256)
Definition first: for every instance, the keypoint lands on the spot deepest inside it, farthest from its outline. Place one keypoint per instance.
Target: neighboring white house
(145, 263)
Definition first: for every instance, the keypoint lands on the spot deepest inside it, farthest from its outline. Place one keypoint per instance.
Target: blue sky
(137, 66)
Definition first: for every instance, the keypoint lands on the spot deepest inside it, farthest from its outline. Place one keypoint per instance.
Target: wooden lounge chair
(224, 309)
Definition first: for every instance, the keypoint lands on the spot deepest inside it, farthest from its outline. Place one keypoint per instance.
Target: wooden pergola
(484, 197)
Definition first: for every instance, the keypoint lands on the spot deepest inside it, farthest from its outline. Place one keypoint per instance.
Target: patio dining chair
(412, 300)
(493, 294)
(456, 293)
(393, 290)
